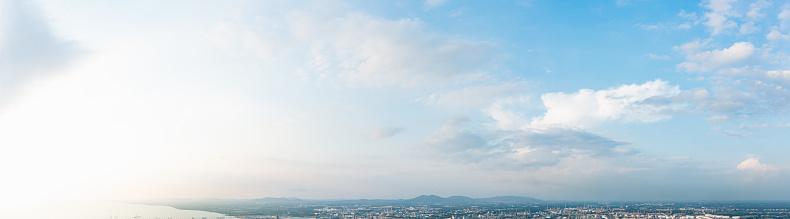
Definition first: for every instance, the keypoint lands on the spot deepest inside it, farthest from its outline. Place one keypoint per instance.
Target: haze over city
(558, 100)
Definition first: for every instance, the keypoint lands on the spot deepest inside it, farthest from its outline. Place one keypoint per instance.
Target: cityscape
(460, 207)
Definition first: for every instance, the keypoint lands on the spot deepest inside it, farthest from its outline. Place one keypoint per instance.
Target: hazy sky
(571, 100)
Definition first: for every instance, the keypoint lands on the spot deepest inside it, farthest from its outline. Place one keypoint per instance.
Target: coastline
(103, 209)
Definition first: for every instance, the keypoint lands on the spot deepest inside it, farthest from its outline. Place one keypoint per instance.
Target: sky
(557, 100)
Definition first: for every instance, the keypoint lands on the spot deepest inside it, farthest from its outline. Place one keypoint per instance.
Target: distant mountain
(426, 199)
(434, 199)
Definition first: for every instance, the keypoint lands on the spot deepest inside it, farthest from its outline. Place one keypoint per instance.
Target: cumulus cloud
(648, 102)
(28, 48)
(784, 16)
(779, 76)
(710, 60)
(385, 132)
(753, 164)
(755, 9)
(718, 17)
(749, 75)
(776, 35)
(511, 140)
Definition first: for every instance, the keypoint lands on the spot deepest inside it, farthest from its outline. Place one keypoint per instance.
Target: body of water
(103, 210)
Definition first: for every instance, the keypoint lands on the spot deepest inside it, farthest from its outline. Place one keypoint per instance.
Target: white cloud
(779, 76)
(753, 164)
(506, 113)
(717, 19)
(710, 60)
(776, 35)
(755, 8)
(784, 16)
(694, 20)
(699, 94)
(742, 85)
(691, 47)
(648, 102)
(686, 15)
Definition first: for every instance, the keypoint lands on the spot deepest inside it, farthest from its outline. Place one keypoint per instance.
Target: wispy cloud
(476, 96)
(657, 57)
(517, 149)
(434, 3)
(719, 16)
(384, 132)
(29, 49)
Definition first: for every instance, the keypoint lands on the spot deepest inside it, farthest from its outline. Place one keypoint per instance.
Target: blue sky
(560, 100)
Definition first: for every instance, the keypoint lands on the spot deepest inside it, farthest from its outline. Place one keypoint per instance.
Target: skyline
(622, 100)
